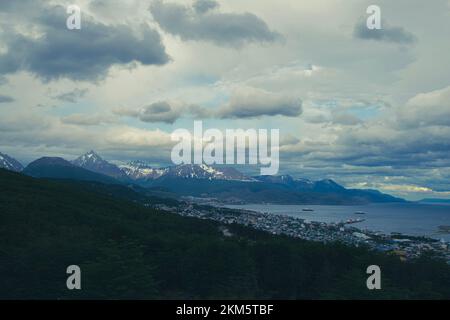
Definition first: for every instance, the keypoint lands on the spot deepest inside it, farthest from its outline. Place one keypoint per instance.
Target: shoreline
(405, 246)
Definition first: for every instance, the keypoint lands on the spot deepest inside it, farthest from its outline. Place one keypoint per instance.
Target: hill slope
(9, 163)
(129, 251)
(58, 168)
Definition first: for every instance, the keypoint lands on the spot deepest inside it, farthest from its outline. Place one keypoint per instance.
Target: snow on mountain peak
(6, 162)
(204, 171)
(93, 162)
(138, 170)
(89, 157)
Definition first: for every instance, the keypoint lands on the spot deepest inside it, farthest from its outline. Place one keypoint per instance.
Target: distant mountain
(141, 171)
(326, 185)
(58, 168)
(93, 162)
(225, 184)
(304, 185)
(434, 200)
(194, 171)
(6, 162)
(281, 179)
(270, 189)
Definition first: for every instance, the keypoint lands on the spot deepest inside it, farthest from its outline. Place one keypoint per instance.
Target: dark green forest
(128, 251)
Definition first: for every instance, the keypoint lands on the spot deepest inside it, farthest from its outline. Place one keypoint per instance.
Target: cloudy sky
(370, 109)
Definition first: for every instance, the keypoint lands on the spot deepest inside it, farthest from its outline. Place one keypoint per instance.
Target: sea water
(415, 219)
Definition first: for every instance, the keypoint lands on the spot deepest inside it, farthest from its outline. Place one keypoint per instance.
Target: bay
(417, 219)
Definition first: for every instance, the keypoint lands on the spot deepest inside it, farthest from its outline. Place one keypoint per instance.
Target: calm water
(411, 218)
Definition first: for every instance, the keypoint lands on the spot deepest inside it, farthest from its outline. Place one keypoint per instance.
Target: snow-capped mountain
(203, 171)
(139, 170)
(6, 162)
(223, 183)
(201, 180)
(93, 162)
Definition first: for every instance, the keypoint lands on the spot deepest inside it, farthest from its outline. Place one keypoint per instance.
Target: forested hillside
(128, 251)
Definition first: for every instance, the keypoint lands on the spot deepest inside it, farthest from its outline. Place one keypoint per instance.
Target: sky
(367, 108)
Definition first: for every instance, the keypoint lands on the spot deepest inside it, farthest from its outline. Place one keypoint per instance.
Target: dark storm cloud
(85, 54)
(200, 23)
(386, 33)
(6, 99)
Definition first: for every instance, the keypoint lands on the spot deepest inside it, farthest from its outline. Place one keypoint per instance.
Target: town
(404, 246)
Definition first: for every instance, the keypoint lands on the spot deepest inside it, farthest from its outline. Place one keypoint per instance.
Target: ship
(350, 221)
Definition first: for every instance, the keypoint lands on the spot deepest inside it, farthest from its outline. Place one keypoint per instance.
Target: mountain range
(222, 184)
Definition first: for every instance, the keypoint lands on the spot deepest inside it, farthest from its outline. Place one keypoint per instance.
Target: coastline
(405, 246)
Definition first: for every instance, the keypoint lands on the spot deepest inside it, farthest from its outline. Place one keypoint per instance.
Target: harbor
(404, 246)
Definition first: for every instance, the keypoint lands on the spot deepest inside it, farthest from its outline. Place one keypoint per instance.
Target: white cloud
(426, 109)
(130, 137)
